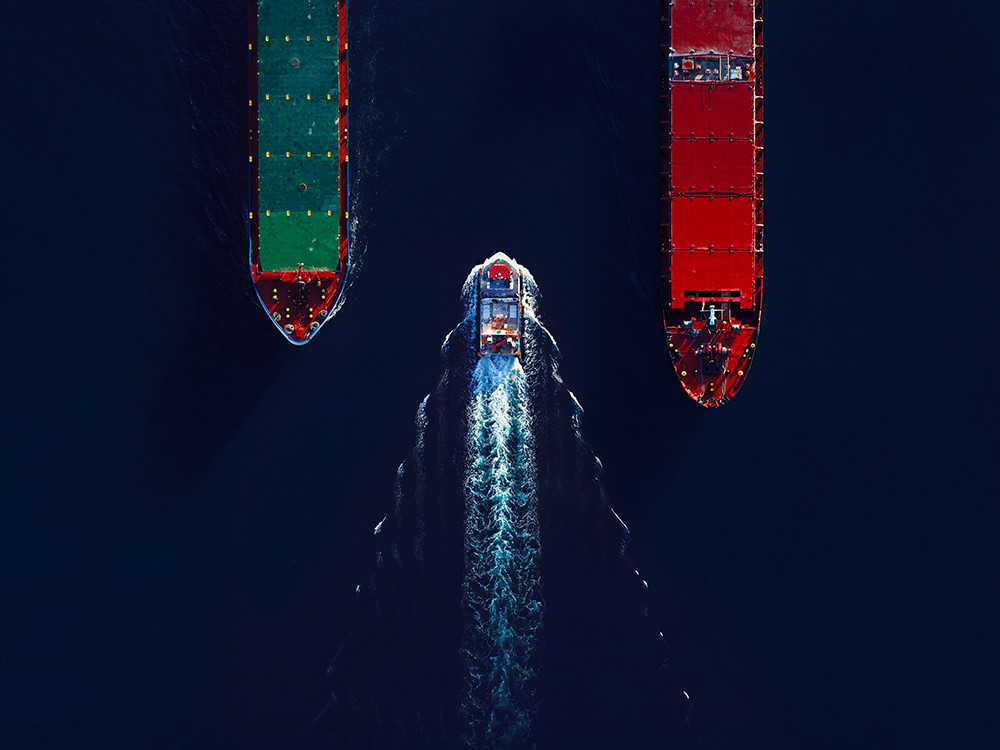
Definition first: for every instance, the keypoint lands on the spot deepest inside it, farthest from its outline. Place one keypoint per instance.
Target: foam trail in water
(501, 588)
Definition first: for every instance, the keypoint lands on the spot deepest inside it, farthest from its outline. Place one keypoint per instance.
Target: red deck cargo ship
(712, 181)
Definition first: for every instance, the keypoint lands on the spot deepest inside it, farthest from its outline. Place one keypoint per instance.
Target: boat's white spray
(501, 586)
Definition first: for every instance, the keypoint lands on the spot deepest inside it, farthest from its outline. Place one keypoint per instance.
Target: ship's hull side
(298, 216)
(712, 226)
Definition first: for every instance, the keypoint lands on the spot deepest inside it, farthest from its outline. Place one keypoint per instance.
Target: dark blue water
(187, 501)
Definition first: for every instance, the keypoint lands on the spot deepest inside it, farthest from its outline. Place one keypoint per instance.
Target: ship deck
(712, 210)
(298, 101)
(298, 160)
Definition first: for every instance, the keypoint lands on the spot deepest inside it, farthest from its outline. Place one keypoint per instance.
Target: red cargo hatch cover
(719, 165)
(701, 111)
(712, 26)
(704, 274)
(720, 223)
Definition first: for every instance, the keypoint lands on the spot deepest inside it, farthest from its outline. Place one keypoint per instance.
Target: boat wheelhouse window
(500, 314)
(710, 68)
(499, 280)
(500, 285)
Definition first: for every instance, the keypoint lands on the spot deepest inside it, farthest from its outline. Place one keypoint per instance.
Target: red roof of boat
(499, 271)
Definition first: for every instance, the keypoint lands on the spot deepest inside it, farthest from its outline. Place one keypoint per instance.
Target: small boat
(500, 307)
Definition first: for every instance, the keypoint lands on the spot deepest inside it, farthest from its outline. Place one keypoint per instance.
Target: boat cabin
(500, 308)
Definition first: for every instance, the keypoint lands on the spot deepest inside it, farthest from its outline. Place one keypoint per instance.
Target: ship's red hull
(712, 225)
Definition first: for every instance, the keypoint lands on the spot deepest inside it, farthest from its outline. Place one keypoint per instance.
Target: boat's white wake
(499, 463)
(501, 586)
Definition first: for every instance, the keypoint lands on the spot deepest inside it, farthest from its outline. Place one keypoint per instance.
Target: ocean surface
(188, 502)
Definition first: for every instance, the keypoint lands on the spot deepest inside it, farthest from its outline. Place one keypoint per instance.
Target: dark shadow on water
(228, 353)
(206, 392)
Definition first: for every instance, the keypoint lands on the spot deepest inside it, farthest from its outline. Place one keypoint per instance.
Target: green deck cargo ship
(298, 160)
